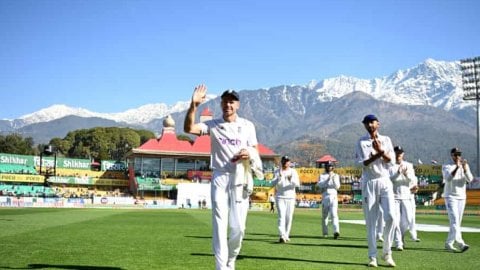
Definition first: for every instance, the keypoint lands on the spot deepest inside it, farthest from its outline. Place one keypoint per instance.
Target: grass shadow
(63, 266)
(242, 257)
(198, 236)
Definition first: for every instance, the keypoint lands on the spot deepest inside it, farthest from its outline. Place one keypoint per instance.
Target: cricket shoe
(373, 262)
(464, 247)
(389, 260)
(451, 248)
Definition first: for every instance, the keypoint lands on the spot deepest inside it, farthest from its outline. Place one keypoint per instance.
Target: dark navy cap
(455, 150)
(369, 118)
(329, 164)
(285, 159)
(231, 93)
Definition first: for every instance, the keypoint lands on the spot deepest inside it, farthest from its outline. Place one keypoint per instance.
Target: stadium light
(471, 85)
(48, 150)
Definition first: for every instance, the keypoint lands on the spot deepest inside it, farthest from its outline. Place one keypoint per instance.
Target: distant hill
(44, 132)
(420, 108)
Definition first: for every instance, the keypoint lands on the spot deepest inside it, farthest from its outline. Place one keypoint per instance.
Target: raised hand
(377, 145)
(199, 94)
(465, 164)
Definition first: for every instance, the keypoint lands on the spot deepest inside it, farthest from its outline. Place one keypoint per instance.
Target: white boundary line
(422, 227)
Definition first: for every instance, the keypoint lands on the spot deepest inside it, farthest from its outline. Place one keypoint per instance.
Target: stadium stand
(17, 169)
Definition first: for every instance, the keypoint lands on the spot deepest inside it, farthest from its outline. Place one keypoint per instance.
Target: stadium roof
(168, 144)
(326, 159)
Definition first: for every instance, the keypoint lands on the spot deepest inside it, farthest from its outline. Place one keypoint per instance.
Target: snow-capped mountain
(138, 116)
(433, 83)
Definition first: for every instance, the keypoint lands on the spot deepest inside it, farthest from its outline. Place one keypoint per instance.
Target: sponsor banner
(153, 187)
(113, 200)
(428, 170)
(110, 182)
(112, 165)
(5, 177)
(349, 171)
(31, 202)
(428, 188)
(16, 159)
(64, 163)
(71, 180)
(88, 181)
(345, 188)
(311, 175)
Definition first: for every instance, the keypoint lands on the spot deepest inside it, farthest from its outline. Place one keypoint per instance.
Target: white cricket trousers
(378, 193)
(285, 208)
(380, 224)
(404, 219)
(413, 225)
(226, 214)
(455, 208)
(330, 208)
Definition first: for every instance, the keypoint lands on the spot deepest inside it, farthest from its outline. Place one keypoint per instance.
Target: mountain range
(421, 108)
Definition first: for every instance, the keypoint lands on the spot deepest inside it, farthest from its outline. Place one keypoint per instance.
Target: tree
(310, 151)
(101, 142)
(16, 144)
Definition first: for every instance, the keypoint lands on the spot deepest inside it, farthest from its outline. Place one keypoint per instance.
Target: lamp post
(48, 150)
(471, 84)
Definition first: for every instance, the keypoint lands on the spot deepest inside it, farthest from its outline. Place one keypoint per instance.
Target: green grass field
(181, 239)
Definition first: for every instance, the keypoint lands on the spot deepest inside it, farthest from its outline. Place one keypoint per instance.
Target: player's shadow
(409, 248)
(199, 236)
(63, 266)
(273, 238)
(270, 258)
(263, 234)
(268, 238)
(328, 238)
(337, 244)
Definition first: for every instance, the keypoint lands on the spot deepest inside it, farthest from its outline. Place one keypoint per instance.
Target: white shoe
(451, 248)
(373, 262)
(399, 248)
(380, 239)
(416, 239)
(389, 260)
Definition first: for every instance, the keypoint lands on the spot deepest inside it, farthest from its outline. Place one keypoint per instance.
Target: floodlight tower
(471, 86)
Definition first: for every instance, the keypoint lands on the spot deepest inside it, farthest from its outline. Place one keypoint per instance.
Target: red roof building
(325, 159)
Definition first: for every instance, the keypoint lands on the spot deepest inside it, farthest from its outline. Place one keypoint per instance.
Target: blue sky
(114, 55)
